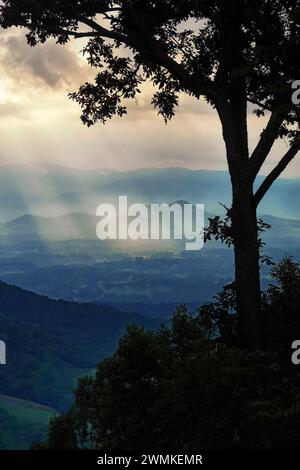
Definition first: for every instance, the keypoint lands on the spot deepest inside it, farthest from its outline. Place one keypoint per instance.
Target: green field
(26, 410)
(22, 422)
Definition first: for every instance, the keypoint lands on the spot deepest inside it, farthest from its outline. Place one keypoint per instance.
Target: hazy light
(3, 92)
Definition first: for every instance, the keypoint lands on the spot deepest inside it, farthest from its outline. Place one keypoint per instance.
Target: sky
(38, 123)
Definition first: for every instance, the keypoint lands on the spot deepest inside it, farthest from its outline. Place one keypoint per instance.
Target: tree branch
(144, 39)
(140, 39)
(98, 30)
(276, 172)
(268, 137)
(54, 30)
(260, 104)
(97, 27)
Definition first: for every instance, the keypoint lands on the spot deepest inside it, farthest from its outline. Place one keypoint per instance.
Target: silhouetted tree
(62, 433)
(231, 53)
(189, 386)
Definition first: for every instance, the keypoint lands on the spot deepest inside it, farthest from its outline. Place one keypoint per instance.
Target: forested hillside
(50, 343)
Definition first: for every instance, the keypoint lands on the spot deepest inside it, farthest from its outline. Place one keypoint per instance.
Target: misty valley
(49, 250)
(49, 243)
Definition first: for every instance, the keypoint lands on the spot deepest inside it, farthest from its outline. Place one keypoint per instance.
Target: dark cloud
(44, 65)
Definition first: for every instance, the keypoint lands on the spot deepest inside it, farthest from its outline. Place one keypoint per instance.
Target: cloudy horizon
(40, 124)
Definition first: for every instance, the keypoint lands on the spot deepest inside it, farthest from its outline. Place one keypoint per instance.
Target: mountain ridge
(58, 189)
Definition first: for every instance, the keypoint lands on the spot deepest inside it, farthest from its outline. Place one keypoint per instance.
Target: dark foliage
(16, 434)
(219, 46)
(188, 386)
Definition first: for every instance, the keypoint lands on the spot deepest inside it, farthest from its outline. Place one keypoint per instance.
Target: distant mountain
(76, 226)
(80, 226)
(51, 343)
(51, 190)
(31, 188)
(210, 188)
(63, 227)
(284, 233)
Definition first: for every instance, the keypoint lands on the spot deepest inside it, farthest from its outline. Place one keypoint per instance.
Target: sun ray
(3, 92)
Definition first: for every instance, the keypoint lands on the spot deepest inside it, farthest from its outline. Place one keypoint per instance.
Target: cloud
(51, 68)
(10, 109)
(47, 65)
(39, 122)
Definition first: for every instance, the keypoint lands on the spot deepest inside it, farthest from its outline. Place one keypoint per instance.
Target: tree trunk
(247, 275)
(233, 116)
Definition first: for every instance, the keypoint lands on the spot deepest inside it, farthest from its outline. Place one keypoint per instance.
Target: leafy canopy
(204, 48)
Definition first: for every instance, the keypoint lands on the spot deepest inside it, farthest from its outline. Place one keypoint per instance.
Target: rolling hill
(22, 422)
(82, 226)
(50, 190)
(51, 343)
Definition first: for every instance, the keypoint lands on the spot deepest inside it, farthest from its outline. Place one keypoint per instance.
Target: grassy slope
(22, 423)
(26, 410)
